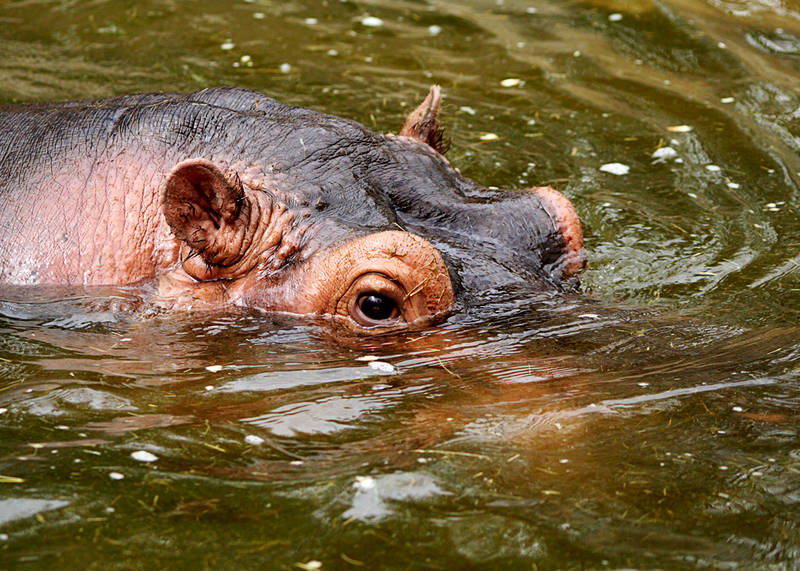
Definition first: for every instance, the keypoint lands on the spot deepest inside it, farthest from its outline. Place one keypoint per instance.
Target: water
(649, 423)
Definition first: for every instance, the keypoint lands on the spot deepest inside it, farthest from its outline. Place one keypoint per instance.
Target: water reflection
(650, 422)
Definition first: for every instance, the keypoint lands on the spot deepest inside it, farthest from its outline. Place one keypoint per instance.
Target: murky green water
(652, 423)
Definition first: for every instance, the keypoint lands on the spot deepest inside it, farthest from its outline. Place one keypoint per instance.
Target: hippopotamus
(228, 198)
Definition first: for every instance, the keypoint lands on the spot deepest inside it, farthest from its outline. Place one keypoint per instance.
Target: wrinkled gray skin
(345, 179)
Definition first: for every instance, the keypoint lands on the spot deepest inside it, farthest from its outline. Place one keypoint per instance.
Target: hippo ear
(423, 123)
(199, 199)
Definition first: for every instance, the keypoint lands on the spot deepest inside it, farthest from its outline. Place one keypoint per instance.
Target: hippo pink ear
(199, 200)
(423, 124)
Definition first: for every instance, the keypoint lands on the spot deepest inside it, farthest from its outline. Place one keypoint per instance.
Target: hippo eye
(377, 307)
(374, 300)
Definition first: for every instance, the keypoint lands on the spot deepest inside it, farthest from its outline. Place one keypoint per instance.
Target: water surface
(650, 422)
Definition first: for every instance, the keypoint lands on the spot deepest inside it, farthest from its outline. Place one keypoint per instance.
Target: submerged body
(226, 196)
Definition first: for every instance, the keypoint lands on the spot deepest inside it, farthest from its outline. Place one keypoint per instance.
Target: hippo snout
(567, 225)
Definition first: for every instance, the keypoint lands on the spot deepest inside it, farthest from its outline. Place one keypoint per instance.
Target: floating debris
(434, 30)
(713, 168)
(254, 440)
(143, 456)
(364, 483)
(727, 100)
(285, 68)
(259, 15)
(116, 476)
(680, 128)
(615, 17)
(372, 22)
(312, 565)
(382, 366)
(333, 53)
(615, 168)
(228, 45)
(664, 154)
(489, 137)
(214, 368)
(367, 358)
(467, 110)
(511, 82)
(311, 21)
(737, 409)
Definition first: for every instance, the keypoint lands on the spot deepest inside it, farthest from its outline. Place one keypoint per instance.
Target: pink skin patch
(568, 224)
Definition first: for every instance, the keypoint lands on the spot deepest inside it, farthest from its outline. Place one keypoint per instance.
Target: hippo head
(307, 213)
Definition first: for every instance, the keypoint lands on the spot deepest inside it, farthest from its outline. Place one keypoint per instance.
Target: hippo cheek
(380, 282)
